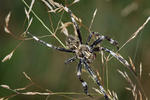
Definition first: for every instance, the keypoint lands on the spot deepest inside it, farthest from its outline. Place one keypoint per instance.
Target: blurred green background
(46, 66)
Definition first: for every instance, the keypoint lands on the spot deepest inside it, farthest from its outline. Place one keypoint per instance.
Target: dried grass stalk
(140, 95)
(5, 86)
(2, 99)
(135, 33)
(27, 14)
(94, 14)
(75, 1)
(8, 57)
(7, 19)
(140, 69)
(31, 5)
(29, 24)
(27, 76)
(48, 5)
(64, 27)
(35, 93)
(24, 88)
(132, 65)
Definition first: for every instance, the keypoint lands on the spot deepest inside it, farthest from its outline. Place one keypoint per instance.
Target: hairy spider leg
(117, 56)
(100, 39)
(70, 59)
(84, 84)
(50, 45)
(75, 24)
(102, 90)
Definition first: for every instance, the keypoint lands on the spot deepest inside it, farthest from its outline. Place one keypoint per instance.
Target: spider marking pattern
(85, 52)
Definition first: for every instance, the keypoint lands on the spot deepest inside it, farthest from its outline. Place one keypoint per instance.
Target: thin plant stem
(107, 72)
(40, 20)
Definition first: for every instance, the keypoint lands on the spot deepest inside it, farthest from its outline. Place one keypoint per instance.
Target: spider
(85, 52)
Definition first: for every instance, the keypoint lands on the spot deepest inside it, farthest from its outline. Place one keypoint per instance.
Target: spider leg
(89, 38)
(101, 38)
(75, 24)
(70, 59)
(50, 45)
(102, 90)
(84, 84)
(117, 56)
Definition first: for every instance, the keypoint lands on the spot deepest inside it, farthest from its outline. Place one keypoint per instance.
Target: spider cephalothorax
(81, 50)
(85, 52)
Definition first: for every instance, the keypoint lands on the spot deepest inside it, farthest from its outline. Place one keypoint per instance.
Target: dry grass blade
(78, 19)
(48, 5)
(64, 27)
(54, 11)
(94, 14)
(27, 76)
(29, 24)
(128, 79)
(115, 97)
(102, 56)
(135, 97)
(48, 93)
(2, 99)
(30, 9)
(5, 86)
(75, 1)
(98, 75)
(31, 5)
(55, 4)
(27, 14)
(97, 90)
(132, 65)
(109, 92)
(140, 95)
(135, 33)
(53, 7)
(7, 23)
(125, 75)
(19, 89)
(121, 73)
(52, 2)
(35, 93)
(134, 92)
(133, 87)
(112, 95)
(8, 57)
(129, 89)
(7, 19)
(140, 69)
(24, 88)
(7, 30)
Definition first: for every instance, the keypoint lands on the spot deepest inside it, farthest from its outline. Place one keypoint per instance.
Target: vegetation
(31, 71)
